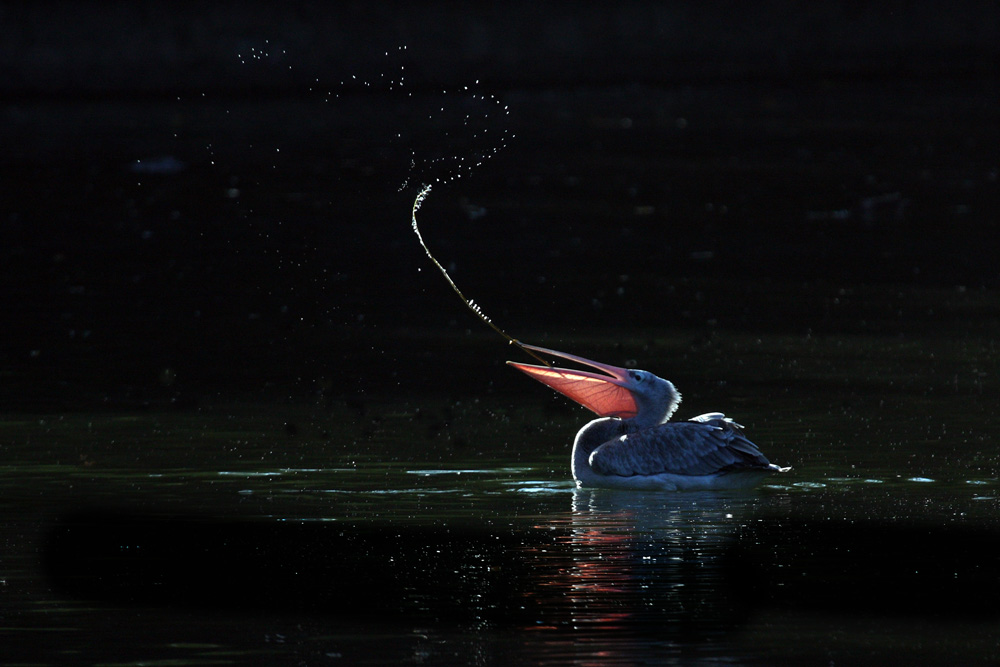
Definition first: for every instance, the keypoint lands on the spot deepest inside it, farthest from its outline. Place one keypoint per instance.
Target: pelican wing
(707, 444)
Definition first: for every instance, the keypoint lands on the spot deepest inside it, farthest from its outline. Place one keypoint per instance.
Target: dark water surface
(244, 421)
(422, 529)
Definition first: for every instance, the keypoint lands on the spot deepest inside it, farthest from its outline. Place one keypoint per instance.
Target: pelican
(634, 446)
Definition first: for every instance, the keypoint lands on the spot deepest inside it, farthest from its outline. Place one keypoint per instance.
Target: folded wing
(705, 445)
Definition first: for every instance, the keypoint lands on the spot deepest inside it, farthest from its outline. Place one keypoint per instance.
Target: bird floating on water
(633, 445)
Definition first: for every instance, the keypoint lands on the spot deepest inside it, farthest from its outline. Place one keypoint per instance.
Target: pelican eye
(635, 376)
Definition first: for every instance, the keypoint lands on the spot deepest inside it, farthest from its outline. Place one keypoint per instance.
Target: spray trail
(470, 304)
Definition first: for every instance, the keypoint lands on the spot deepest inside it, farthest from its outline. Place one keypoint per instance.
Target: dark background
(199, 199)
(789, 209)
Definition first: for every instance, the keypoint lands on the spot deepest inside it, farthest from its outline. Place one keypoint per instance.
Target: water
(431, 530)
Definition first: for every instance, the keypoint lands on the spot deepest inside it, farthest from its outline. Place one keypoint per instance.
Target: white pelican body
(634, 446)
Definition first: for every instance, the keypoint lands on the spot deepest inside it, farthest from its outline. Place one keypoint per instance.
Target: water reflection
(625, 570)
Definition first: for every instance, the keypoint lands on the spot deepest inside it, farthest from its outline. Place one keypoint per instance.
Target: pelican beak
(608, 394)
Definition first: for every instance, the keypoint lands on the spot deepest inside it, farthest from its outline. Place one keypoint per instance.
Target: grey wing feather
(707, 444)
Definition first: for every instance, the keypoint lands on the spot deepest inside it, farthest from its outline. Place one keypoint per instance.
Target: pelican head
(639, 396)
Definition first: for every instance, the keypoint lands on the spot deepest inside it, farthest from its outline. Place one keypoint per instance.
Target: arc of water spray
(472, 305)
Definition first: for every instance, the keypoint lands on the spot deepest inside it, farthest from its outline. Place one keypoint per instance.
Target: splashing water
(472, 305)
